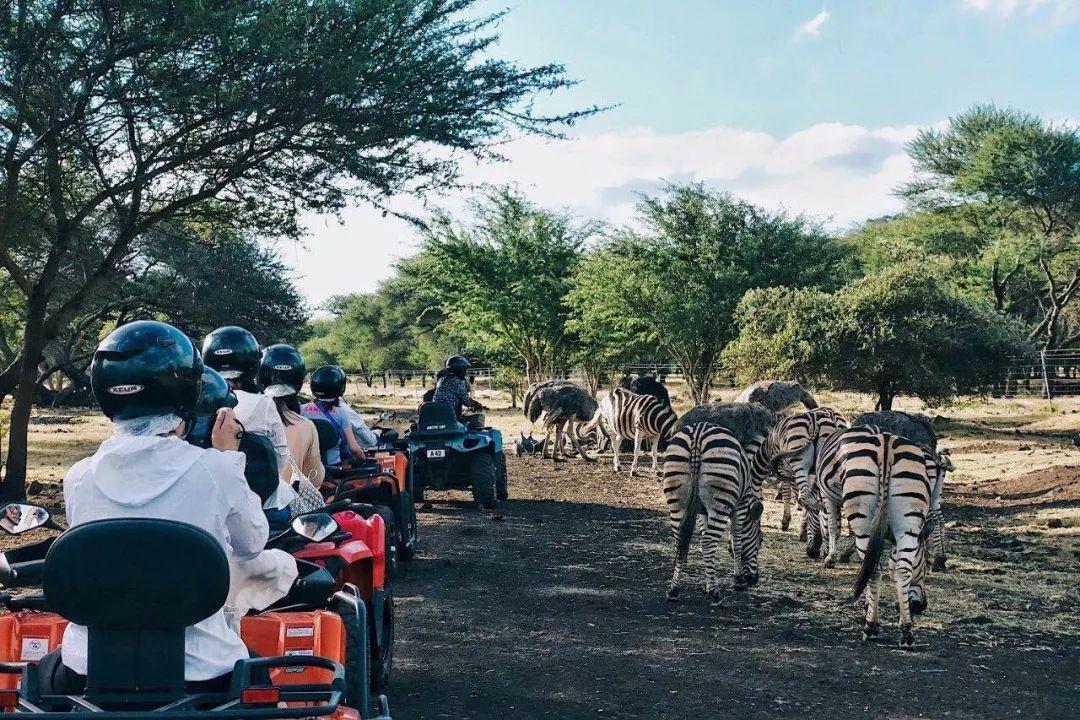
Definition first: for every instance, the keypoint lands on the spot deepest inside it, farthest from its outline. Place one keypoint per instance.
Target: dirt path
(556, 609)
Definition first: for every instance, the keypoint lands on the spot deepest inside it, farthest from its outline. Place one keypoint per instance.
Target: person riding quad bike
(234, 353)
(282, 372)
(452, 390)
(147, 379)
(328, 387)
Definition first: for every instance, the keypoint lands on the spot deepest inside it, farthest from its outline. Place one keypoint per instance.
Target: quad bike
(351, 546)
(383, 478)
(447, 454)
(137, 584)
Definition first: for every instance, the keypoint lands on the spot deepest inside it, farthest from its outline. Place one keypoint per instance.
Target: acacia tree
(1012, 177)
(899, 331)
(677, 283)
(502, 280)
(118, 115)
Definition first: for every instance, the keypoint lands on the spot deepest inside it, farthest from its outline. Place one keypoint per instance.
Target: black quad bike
(136, 584)
(446, 454)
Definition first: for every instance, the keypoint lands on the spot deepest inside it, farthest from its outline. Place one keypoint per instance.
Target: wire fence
(1048, 374)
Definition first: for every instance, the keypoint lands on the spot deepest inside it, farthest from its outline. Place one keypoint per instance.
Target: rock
(1055, 523)
(34, 487)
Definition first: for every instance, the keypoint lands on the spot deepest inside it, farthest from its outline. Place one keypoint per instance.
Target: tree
(677, 283)
(901, 331)
(1013, 177)
(117, 116)
(191, 282)
(502, 281)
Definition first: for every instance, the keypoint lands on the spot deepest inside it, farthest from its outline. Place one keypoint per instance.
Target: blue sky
(800, 106)
(691, 64)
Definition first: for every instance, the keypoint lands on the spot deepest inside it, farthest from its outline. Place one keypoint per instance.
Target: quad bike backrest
(328, 436)
(438, 418)
(136, 584)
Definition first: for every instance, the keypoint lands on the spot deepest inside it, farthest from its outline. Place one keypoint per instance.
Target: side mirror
(17, 518)
(315, 527)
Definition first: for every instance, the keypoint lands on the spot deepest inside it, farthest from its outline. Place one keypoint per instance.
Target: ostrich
(749, 422)
(777, 395)
(913, 426)
(648, 385)
(560, 405)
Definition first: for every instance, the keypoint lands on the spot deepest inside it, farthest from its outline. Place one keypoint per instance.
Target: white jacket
(167, 478)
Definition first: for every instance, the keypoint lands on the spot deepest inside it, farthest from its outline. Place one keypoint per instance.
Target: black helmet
(458, 364)
(216, 394)
(328, 382)
(282, 365)
(233, 352)
(146, 368)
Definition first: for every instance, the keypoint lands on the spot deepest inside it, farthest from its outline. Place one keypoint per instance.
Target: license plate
(436, 453)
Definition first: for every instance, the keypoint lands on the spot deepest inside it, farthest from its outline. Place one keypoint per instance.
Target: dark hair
(288, 402)
(244, 383)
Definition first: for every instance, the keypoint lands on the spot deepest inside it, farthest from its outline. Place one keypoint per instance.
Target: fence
(1048, 374)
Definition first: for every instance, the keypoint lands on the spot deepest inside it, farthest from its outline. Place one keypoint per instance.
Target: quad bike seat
(437, 421)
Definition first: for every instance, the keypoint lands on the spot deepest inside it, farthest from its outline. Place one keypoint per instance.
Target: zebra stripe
(642, 417)
(706, 477)
(879, 481)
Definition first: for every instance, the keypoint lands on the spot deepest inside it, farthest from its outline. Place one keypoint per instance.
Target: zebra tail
(879, 527)
(689, 521)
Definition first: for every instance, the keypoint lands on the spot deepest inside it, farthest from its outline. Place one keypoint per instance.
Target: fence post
(1046, 381)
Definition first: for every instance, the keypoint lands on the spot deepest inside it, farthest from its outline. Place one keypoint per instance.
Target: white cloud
(1059, 12)
(838, 173)
(812, 27)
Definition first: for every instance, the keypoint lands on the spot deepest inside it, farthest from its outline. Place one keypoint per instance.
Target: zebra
(626, 414)
(789, 451)
(938, 463)
(706, 482)
(880, 481)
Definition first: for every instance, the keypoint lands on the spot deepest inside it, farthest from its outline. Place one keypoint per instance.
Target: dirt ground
(554, 606)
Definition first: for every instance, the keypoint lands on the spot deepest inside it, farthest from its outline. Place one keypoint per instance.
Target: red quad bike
(351, 546)
(136, 584)
(383, 478)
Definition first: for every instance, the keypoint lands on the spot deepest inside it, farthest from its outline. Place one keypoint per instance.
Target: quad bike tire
(483, 479)
(501, 490)
(382, 657)
(408, 536)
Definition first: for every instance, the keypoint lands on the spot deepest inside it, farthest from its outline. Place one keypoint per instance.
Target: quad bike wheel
(407, 537)
(482, 474)
(382, 657)
(501, 490)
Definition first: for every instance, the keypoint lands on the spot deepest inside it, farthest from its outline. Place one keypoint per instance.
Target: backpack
(261, 469)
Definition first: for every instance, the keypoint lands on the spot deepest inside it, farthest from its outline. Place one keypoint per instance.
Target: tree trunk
(885, 398)
(34, 340)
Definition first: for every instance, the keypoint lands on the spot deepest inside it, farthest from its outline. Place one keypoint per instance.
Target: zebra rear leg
(937, 536)
(710, 545)
(833, 526)
(637, 452)
(785, 491)
(872, 625)
(901, 572)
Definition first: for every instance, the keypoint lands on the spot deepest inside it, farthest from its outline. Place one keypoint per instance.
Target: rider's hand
(226, 434)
